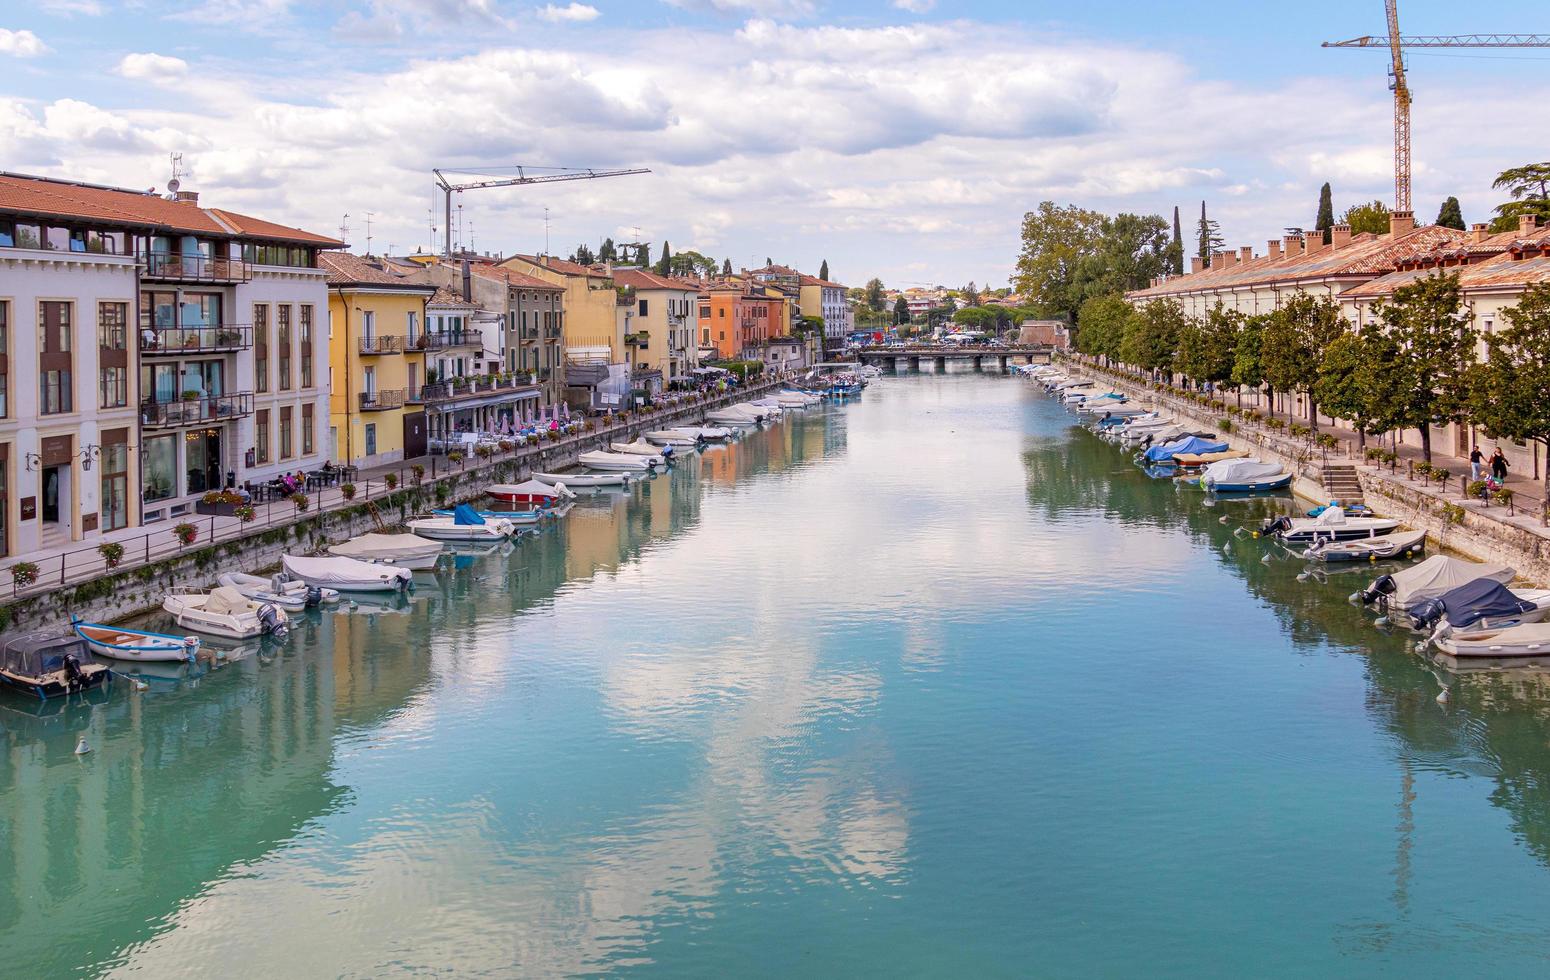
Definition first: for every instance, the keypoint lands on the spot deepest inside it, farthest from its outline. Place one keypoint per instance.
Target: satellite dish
(173, 185)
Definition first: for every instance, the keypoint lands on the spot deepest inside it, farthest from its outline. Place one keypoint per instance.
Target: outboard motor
(273, 624)
(1382, 587)
(1426, 614)
(314, 597)
(74, 677)
(277, 583)
(1282, 523)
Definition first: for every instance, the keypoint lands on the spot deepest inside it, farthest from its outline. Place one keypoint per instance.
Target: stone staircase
(1341, 483)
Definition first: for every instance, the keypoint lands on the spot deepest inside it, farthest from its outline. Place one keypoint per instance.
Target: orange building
(735, 315)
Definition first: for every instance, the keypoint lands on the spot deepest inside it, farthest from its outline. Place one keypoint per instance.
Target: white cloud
(915, 6)
(764, 8)
(70, 8)
(575, 12)
(158, 69)
(21, 44)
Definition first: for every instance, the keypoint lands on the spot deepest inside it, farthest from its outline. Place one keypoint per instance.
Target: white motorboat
(1116, 410)
(347, 574)
(1526, 640)
(1332, 525)
(411, 551)
(1483, 604)
(583, 479)
(1431, 579)
(225, 612)
(732, 417)
(280, 590)
(759, 410)
(1369, 549)
(121, 643)
(710, 433)
(645, 450)
(793, 397)
(676, 438)
(615, 461)
(465, 524)
(531, 492)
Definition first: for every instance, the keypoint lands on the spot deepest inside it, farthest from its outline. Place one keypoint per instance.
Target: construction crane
(522, 177)
(1396, 43)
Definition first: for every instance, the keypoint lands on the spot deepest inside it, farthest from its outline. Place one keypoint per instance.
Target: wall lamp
(32, 461)
(88, 453)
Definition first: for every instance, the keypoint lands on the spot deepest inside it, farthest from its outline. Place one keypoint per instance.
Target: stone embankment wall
(130, 591)
(1468, 527)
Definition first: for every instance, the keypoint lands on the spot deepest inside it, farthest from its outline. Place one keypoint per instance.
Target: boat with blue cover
(1482, 604)
(513, 516)
(1188, 444)
(464, 524)
(123, 643)
(1244, 475)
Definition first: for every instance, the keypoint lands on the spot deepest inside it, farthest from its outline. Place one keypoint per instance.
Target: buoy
(1256, 534)
(81, 748)
(137, 684)
(1222, 519)
(1442, 696)
(1266, 558)
(1372, 557)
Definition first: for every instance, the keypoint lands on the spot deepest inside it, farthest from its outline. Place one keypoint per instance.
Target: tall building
(828, 300)
(378, 339)
(596, 364)
(150, 351)
(659, 326)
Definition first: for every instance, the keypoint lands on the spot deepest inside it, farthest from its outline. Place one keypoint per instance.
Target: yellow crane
(1396, 43)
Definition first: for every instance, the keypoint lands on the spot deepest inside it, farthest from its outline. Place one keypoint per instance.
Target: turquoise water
(935, 684)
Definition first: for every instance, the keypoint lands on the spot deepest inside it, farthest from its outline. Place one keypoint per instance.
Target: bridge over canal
(937, 355)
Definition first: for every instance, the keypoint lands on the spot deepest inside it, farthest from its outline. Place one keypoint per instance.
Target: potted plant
(245, 513)
(299, 501)
(455, 456)
(417, 471)
(191, 396)
(392, 481)
(24, 573)
(483, 451)
(348, 489)
(1503, 496)
(220, 502)
(112, 553)
(185, 533)
(506, 445)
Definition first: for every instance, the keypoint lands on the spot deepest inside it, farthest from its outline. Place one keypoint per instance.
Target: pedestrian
(1476, 458)
(1499, 465)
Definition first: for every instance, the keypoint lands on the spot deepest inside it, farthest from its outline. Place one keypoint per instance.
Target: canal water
(934, 684)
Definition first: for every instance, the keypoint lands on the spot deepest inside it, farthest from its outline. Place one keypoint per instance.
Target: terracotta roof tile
(1501, 271)
(563, 266)
(513, 277)
(447, 296)
(345, 269)
(642, 279)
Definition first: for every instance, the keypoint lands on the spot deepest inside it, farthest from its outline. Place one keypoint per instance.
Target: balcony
(641, 339)
(196, 410)
(383, 401)
(468, 387)
(382, 345)
(448, 339)
(414, 395)
(192, 267)
(174, 341)
(553, 333)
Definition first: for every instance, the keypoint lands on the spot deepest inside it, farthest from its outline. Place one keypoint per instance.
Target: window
(159, 462)
(285, 433)
(261, 434)
(5, 360)
(704, 313)
(289, 255)
(115, 479)
(306, 429)
(260, 347)
(371, 439)
(113, 387)
(723, 312)
(283, 341)
(54, 360)
(643, 307)
(113, 355)
(306, 346)
(412, 327)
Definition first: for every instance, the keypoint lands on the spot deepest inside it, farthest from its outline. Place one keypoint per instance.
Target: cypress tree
(1204, 237)
(726, 267)
(1326, 217)
(823, 270)
(665, 265)
(1451, 215)
(1176, 249)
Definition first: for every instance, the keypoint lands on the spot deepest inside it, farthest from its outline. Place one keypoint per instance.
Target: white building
(140, 338)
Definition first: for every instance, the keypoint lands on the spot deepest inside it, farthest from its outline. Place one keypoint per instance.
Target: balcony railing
(172, 341)
(414, 395)
(382, 345)
(472, 385)
(192, 267)
(198, 410)
(460, 338)
(382, 401)
(641, 339)
(553, 333)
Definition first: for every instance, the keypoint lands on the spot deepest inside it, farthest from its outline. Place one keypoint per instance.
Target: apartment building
(829, 301)
(378, 342)
(596, 362)
(657, 316)
(130, 355)
(736, 315)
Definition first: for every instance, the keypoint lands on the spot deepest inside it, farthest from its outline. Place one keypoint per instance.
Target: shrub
(417, 471)
(1440, 475)
(392, 481)
(186, 533)
(1274, 424)
(246, 513)
(554, 435)
(348, 489)
(1373, 453)
(455, 456)
(1327, 440)
(24, 573)
(1476, 488)
(112, 553)
(1503, 496)
(506, 445)
(300, 501)
(1224, 424)
(591, 425)
(1452, 514)
(1297, 429)
(483, 451)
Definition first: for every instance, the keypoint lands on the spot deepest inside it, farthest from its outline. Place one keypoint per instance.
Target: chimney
(1221, 260)
(468, 283)
(1479, 232)
(1527, 223)
(1246, 253)
(1293, 244)
(186, 197)
(1196, 263)
(1312, 242)
(1401, 223)
(1273, 249)
(1340, 236)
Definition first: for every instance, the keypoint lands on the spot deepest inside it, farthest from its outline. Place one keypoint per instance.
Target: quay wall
(134, 589)
(1468, 527)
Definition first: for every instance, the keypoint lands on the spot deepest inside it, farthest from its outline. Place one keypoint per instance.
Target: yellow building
(376, 331)
(592, 333)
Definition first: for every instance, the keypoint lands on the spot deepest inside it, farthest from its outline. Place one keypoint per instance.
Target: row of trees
(687, 263)
(1413, 365)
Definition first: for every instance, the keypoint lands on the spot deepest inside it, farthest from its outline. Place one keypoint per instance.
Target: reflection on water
(932, 683)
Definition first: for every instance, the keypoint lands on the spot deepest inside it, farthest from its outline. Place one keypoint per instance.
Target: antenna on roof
(368, 231)
(177, 173)
(344, 228)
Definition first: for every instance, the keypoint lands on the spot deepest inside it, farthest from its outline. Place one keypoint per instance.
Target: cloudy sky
(903, 139)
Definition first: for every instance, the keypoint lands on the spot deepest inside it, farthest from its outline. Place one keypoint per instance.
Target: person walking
(1499, 465)
(1476, 458)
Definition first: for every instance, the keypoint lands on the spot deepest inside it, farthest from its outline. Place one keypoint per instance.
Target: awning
(494, 398)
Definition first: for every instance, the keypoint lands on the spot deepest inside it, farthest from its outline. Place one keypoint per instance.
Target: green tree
(726, 267)
(1131, 251)
(1424, 372)
(1101, 326)
(901, 310)
(768, 261)
(665, 263)
(1175, 257)
(1248, 369)
(583, 255)
(1151, 338)
(1372, 217)
(1055, 241)
(970, 294)
(1293, 343)
(874, 294)
(1208, 345)
(1346, 385)
(1450, 215)
(976, 317)
(1326, 216)
(1508, 396)
(1529, 186)
(1208, 236)
(823, 270)
(607, 252)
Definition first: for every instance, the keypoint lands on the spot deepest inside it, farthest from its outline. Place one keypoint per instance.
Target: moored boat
(1524, 641)
(464, 524)
(534, 492)
(583, 479)
(1242, 474)
(347, 574)
(50, 665)
(1332, 525)
(1400, 545)
(411, 551)
(225, 612)
(1197, 460)
(619, 462)
(288, 594)
(673, 438)
(122, 643)
(656, 455)
(1479, 605)
(1431, 579)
